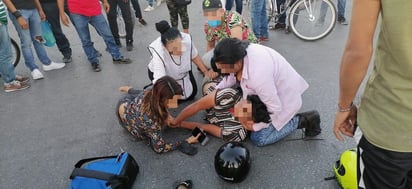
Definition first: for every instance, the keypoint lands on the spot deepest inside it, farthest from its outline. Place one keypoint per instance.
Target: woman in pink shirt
(262, 71)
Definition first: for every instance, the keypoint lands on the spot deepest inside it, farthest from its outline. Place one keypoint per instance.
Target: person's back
(389, 85)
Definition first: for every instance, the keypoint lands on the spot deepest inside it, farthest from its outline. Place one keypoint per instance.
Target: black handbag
(181, 3)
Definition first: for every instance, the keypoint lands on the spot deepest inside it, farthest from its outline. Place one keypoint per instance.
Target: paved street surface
(69, 115)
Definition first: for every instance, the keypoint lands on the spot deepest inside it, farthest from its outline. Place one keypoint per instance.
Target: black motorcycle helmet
(232, 162)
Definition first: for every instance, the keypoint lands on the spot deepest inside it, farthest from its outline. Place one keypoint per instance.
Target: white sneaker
(148, 8)
(36, 74)
(53, 66)
(158, 2)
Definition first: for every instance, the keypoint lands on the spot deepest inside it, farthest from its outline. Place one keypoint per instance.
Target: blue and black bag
(108, 172)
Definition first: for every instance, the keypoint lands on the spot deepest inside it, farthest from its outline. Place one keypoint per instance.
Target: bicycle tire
(16, 52)
(311, 20)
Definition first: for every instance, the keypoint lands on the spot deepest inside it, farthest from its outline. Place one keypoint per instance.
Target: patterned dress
(141, 126)
(231, 20)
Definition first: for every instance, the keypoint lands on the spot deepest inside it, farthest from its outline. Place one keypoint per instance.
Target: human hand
(248, 125)
(23, 23)
(42, 15)
(193, 139)
(211, 74)
(106, 6)
(345, 123)
(65, 19)
(171, 122)
(124, 89)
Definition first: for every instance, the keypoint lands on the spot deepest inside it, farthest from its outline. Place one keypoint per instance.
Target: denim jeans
(81, 24)
(270, 135)
(239, 5)
(341, 8)
(136, 7)
(27, 38)
(259, 18)
(52, 16)
(6, 66)
(127, 17)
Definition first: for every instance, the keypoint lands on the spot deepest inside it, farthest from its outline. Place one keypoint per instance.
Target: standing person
(150, 7)
(124, 6)
(138, 12)
(84, 13)
(51, 11)
(259, 20)
(262, 71)
(26, 15)
(175, 11)
(341, 12)
(12, 82)
(145, 114)
(384, 116)
(172, 54)
(239, 5)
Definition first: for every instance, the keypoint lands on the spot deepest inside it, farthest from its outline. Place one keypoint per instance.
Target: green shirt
(3, 13)
(385, 112)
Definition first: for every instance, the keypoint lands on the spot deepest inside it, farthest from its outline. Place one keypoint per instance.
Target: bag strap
(83, 161)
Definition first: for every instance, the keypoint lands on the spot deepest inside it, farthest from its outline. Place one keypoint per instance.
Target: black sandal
(186, 184)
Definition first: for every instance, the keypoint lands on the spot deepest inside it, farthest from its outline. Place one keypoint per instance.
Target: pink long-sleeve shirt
(269, 75)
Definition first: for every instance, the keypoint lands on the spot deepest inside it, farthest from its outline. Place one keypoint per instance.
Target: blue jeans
(27, 38)
(6, 66)
(341, 8)
(259, 18)
(81, 24)
(52, 16)
(270, 135)
(239, 5)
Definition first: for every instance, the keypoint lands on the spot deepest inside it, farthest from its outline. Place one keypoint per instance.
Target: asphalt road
(69, 115)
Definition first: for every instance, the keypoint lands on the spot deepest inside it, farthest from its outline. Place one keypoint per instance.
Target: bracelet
(340, 109)
(16, 14)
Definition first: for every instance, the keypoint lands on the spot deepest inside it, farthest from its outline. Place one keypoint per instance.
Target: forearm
(187, 112)
(10, 6)
(199, 63)
(38, 5)
(60, 5)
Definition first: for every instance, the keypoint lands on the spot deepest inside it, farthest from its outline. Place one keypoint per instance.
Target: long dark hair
(167, 33)
(154, 101)
(259, 110)
(230, 50)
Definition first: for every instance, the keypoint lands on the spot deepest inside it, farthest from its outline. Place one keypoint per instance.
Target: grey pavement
(69, 115)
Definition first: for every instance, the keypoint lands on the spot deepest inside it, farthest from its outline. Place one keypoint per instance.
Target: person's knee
(257, 140)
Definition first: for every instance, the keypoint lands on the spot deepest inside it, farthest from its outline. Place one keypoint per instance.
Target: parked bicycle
(309, 20)
(16, 52)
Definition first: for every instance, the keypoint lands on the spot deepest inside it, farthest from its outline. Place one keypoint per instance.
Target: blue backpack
(108, 172)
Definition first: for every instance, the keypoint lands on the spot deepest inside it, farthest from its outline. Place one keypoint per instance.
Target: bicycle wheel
(311, 20)
(16, 52)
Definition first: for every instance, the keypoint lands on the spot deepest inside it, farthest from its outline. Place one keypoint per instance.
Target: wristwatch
(16, 14)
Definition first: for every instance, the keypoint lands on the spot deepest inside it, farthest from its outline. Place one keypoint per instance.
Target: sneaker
(15, 86)
(142, 21)
(158, 2)
(36, 74)
(342, 20)
(122, 60)
(67, 59)
(148, 8)
(53, 66)
(129, 46)
(22, 79)
(96, 67)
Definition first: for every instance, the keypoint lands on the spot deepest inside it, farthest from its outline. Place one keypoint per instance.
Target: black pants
(127, 17)
(136, 7)
(52, 15)
(384, 168)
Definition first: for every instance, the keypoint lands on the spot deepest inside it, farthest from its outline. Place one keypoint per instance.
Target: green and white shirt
(3, 13)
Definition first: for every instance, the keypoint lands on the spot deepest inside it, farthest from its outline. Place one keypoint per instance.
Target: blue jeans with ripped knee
(270, 135)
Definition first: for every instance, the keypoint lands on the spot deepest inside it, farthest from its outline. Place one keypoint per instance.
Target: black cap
(211, 5)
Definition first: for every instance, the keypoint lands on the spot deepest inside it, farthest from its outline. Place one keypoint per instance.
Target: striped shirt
(3, 13)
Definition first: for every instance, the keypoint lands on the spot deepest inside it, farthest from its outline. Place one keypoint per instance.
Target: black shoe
(142, 21)
(310, 121)
(279, 26)
(129, 46)
(122, 61)
(67, 59)
(342, 20)
(96, 67)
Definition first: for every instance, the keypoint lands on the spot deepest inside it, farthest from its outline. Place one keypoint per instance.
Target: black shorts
(380, 168)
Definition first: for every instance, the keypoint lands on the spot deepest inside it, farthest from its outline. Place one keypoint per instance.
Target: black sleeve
(134, 91)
